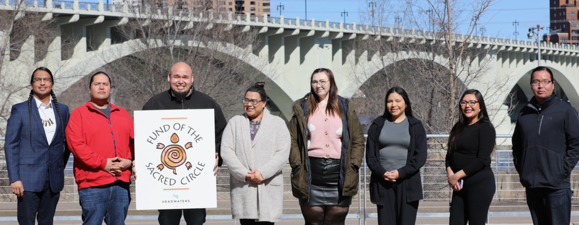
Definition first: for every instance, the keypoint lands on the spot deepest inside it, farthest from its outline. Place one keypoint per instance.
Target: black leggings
(473, 201)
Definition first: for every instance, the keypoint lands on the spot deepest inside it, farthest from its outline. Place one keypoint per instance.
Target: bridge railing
(377, 30)
(433, 175)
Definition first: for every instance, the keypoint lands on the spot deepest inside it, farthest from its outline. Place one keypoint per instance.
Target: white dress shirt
(48, 119)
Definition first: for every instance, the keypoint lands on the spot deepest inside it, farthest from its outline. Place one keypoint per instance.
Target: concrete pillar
(5, 38)
(292, 59)
(323, 52)
(54, 55)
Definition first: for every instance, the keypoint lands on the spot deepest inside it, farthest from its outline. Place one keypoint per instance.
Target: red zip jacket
(93, 138)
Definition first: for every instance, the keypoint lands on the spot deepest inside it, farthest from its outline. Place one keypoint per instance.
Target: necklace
(47, 122)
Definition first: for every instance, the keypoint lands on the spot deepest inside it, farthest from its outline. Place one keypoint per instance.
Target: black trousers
(397, 211)
(252, 222)
(473, 201)
(37, 206)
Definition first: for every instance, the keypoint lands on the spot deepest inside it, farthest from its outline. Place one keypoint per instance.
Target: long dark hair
(333, 107)
(483, 117)
(54, 100)
(401, 92)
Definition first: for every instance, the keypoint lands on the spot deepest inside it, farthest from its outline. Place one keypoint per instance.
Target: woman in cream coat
(255, 146)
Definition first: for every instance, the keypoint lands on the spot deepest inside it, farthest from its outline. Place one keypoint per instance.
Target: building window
(572, 13)
(572, 18)
(575, 31)
(266, 4)
(252, 3)
(230, 9)
(563, 38)
(221, 3)
(265, 10)
(253, 14)
(574, 25)
(252, 9)
(575, 38)
(230, 3)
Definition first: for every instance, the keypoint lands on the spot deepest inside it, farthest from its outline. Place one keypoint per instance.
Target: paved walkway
(68, 213)
(422, 221)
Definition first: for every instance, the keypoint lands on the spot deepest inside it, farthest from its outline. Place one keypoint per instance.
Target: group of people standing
(324, 143)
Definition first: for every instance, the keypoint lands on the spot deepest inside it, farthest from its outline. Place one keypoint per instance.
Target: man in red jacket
(100, 136)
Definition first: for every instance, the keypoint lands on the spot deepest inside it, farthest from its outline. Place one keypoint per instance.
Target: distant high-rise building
(564, 22)
(254, 7)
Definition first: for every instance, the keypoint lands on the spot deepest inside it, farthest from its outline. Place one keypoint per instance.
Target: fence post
(365, 185)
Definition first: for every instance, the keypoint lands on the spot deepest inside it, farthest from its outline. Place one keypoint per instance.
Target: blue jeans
(549, 206)
(173, 216)
(108, 202)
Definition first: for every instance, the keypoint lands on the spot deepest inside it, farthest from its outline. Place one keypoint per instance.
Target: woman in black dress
(468, 161)
(395, 152)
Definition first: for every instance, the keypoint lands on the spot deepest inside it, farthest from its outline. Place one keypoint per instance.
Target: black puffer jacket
(195, 100)
(546, 144)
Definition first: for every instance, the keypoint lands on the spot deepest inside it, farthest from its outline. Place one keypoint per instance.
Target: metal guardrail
(434, 191)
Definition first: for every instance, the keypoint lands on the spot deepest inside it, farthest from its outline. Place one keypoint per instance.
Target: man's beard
(180, 96)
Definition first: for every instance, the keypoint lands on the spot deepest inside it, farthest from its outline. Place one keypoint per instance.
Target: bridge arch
(69, 74)
(364, 71)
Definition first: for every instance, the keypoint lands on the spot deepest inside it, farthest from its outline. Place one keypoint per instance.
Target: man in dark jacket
(545, 151)
(182, 95)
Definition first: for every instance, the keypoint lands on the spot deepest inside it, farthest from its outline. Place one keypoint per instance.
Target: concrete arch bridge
(289, 51)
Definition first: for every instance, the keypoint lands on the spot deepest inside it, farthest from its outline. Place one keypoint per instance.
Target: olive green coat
(352, 137)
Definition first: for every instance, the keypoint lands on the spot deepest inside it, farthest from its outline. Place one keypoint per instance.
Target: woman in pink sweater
(326, 152)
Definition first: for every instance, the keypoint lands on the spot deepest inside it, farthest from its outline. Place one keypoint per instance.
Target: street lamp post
(536, 30)
(280, 8)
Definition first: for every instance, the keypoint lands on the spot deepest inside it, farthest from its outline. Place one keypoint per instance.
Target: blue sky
(498, 20)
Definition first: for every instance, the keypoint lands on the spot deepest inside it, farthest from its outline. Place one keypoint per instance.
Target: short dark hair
(259, 88)
(401, 92)
(97, 73)
(542, 68)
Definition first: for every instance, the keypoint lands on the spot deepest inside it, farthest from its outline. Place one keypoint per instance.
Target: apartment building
(564, 26)
(254, 7)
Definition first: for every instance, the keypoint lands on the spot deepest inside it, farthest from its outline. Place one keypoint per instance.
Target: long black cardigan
(409, 174)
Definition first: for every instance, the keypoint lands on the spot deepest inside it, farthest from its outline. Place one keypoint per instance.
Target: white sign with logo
(175, 156)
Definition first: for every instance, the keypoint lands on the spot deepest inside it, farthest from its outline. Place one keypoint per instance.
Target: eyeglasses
(252, 101)
(544, 82)
(471, 103)
(40, 79)
(321, 83)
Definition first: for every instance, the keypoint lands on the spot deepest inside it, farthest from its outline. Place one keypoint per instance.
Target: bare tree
(434, 64)
(24, 39)
(217, 51)
(431, 60)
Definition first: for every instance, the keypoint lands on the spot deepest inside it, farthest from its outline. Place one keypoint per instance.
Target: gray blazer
(268, 154)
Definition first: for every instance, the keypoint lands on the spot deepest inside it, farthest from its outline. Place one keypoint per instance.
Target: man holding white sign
(182, 95)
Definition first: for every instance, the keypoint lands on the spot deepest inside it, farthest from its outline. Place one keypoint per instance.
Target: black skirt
(324, 186)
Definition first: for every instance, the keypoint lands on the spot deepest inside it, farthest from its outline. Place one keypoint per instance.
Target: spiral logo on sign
(174, 155)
